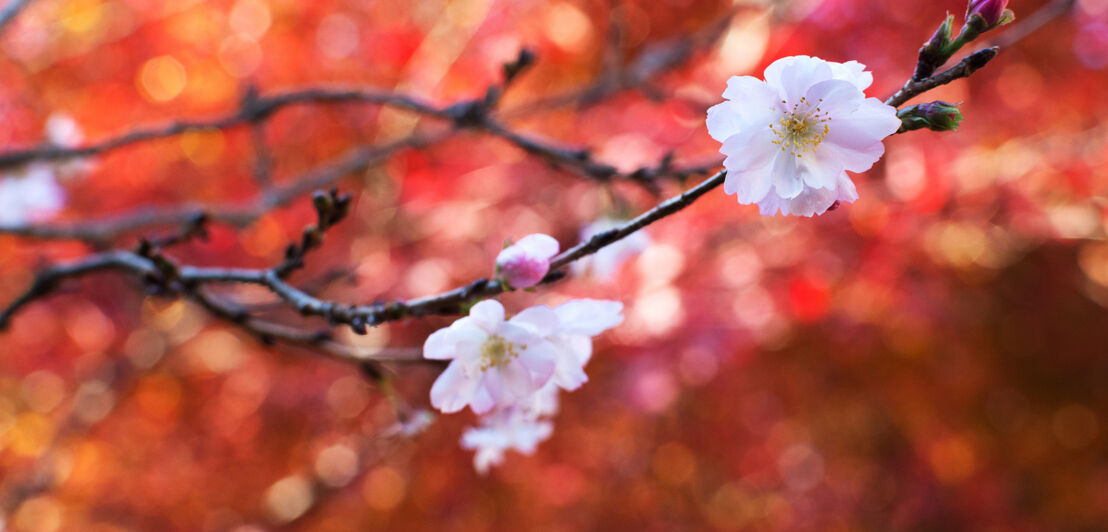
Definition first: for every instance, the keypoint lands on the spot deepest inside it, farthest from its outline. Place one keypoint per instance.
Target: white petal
(488, 314)
(482, 402)
(855, 159)
(847, 192)
(749, 90)
(852, 71)
(870, 123)
(452, 391)
(437, 347)
(750, 149)
(811, 202)
(749, 186)
(538, 245)
(492, 384)
(786, 178)
(820, 169)
(517, 379)
(724, 120)
(540, 360)
(540, 319)
(588, 316)
(835, 97)
(793, 76)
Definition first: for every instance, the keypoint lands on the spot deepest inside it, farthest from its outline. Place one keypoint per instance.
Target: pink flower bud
(526, 262)
(991, 13)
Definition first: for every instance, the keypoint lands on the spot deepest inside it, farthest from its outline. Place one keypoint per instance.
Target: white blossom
(493, 362)
(510, 429)
(789, 140)
(526, 262)
(32, 195)
(604, 264)
(571, 334)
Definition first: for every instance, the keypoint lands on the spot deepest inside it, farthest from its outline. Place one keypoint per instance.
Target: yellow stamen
(801, 130)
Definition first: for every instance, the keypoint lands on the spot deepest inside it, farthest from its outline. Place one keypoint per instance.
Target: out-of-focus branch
(253, 108)
(12, 10)
(105, 229)
(1031, 23)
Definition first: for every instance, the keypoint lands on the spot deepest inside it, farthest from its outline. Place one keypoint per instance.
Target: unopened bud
(525, 263)
(936, 50)
(936, 116)
(984, 15)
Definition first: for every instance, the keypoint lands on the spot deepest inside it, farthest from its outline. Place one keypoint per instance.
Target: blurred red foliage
(929, 358)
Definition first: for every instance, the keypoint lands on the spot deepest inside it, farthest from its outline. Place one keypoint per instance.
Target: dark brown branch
(967, 66)
(252, 109)
(106, 229)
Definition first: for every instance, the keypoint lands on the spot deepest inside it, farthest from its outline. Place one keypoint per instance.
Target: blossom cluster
(33, 192)
(509, 371)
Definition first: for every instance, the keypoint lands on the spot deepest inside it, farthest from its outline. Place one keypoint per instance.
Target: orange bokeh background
(931, 357)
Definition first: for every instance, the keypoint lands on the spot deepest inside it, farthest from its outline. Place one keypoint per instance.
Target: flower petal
(786, 178)
(488, 314)
(452, 391)
(517, 380)
(750, 149)
(438, 347)
(835, 97)
(588, 316)
(820, 169)
(540, 319)
(793, 76)
(538, 245)
(870, 123)
(852, 71)
(540, 360)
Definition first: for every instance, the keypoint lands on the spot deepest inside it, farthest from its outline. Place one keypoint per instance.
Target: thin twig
(967, 66)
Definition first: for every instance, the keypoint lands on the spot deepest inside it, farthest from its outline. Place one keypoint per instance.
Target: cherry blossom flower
(571, 334)
(789, 140)
(604, 264)
(526, 262)
(510, 429)
(32, 195)
(493, 362)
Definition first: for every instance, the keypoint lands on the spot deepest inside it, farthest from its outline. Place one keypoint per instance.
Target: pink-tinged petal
(854, 72)
(770, 205)
(482, 402)
(792, 76)
(857, 159)
(538, 245)
(749, 90)
(847, 192)
(438, 347)
(820, 169)
(539, 319)
(466, 330)
(750, 149)
(492, 384)
(870, 123)
(570, 372)
(724, 120)
(488, 314)
(516, 379)
(786, 178)
(749, 186)
(540, 360)
(835, 97)
(588, 316)
(811, 202)
(452, 391)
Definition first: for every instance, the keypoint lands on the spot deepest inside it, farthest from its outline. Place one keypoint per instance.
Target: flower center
(802, 129)
(497, 352)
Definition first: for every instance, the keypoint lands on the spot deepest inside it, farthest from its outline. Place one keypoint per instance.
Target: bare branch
(967, 66)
